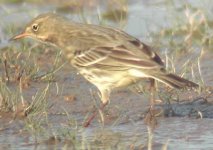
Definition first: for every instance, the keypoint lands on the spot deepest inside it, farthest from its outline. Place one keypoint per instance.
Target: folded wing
(115, 58)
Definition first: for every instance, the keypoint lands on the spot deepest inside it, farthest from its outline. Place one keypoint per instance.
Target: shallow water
(144, 17)
(177, 133)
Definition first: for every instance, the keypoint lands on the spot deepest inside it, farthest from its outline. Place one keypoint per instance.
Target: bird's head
(43, 28)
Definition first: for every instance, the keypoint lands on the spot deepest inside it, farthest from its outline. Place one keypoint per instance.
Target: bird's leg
(152, 93)
(87, 123)
(105, 99)
(152, 97)
(150, 119)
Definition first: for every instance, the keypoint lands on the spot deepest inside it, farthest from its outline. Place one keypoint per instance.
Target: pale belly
(108, 79)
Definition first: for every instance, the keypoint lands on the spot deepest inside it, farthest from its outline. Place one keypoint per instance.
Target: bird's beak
(19, 36)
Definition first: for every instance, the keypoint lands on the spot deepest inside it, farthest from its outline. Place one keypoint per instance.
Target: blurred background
(43, 101)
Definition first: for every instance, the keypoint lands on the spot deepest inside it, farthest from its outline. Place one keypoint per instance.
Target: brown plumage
(107, 57)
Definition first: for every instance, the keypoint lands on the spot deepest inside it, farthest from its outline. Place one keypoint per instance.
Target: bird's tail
(176, 81)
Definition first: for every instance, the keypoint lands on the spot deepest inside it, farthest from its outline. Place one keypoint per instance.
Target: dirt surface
(53, 119)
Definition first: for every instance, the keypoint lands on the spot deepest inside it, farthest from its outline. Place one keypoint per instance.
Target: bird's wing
(144, 50)
(113, 58)
(117, 39)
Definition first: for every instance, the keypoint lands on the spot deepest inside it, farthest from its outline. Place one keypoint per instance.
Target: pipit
(107, 57)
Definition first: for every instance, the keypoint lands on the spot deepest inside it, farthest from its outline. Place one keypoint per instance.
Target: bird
(107, 57)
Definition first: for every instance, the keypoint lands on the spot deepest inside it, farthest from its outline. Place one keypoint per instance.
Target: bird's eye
(35, 27)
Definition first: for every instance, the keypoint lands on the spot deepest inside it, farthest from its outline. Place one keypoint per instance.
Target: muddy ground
(52, 118)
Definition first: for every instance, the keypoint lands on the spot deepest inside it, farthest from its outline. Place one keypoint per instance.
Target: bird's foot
(89, 120)
(150, 118)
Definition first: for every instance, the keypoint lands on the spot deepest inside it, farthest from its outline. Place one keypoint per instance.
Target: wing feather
(113, 58)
